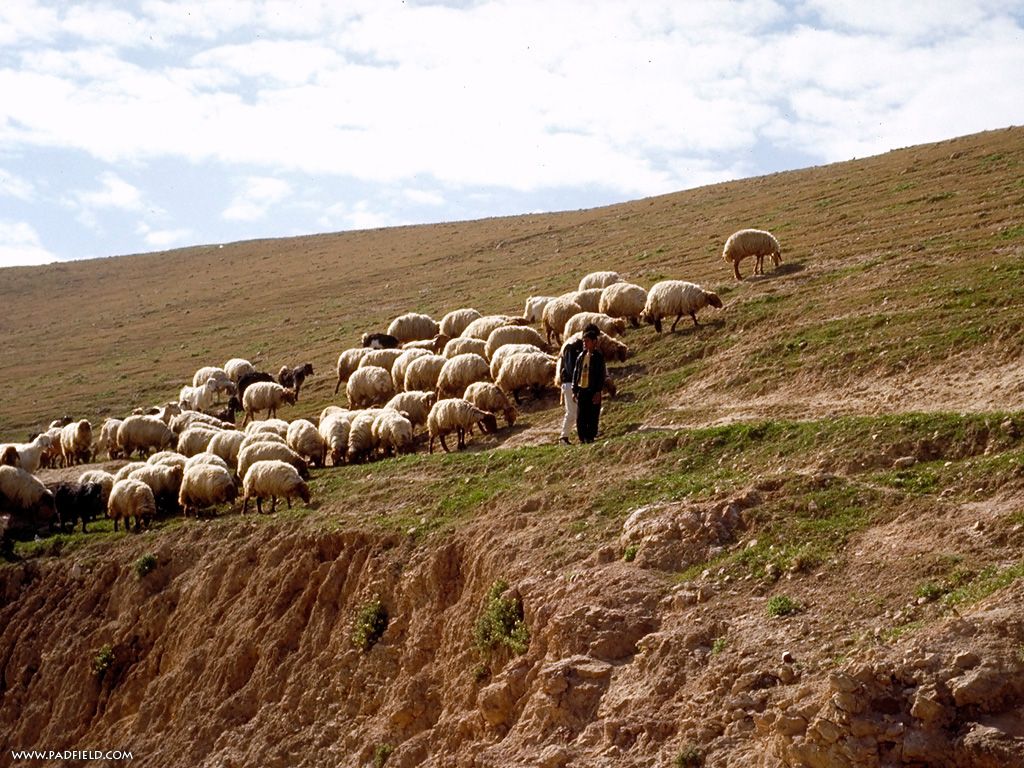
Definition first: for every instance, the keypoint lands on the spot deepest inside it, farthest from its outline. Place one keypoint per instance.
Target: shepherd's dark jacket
(570, 355)
(597, 376)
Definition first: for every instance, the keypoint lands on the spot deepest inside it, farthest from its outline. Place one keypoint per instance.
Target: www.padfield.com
(70, 754)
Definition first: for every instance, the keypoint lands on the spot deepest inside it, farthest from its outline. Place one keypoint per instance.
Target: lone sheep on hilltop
(751, 242)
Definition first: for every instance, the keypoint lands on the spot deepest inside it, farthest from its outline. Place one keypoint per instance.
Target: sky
(144, 125)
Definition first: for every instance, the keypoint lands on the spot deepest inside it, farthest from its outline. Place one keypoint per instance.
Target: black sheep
(380, 341)
(293, 377)
(76, 502)
(251, 378)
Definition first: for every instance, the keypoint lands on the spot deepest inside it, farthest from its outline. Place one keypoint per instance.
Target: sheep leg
(273, 504)
(115, 525)
(259, 506)
(736, 269)
(673, 328)
(694, 316)
(443, 444)
(337, 386)
(460, 433)
(288, 501)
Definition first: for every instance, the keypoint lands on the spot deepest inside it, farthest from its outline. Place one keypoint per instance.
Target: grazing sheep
(535, 307)
(361, 442)
(505, 352)
(382, 358)
(165, 482)
(610, 325)
(459, 372)
(250, 454)
(462, 345)
(526, 370)
(269, 480)
(265, 396)
(205, 458)
(392, 431)
(422, 373)
(9, 457)
(76, 443)
(293, 378)
(415, 404)
(28, 501)
(334, 430)
(434, 345)
(237, 367)
(168, 458)
(305, 440)
(612, 349)
(205, 485)
(598, 280)
(199, 398)
(108, 439)
(49, 456)
(183, 421)
(30, 455)
(226, 444)
(379, 341)
(481, 327)
(412, 327)
(624, 300)
(348, 362)
(277, 426)
(77, 501)
(589, 300)
(195, 439)
(455, 322)
(751, 242)
(677, 297)
(131, 499)
(457, 415)
(400, 364)
(261, 437)
(208, 372)
(246, 380)
(369, 386)
(488, 397)
(556, 315)
(123, 472)
(512, 334)
(103, 478)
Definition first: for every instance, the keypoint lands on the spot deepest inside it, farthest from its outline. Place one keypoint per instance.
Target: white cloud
(363, 214)
(14, 186)
(162, 238)
(255, 200)
(25, 21)
(20, 245)
(114, 192)
(423, 197)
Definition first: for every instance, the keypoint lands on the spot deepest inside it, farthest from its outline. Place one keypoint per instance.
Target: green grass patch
(782, 605)
(102, 661)
(370, 623)
(500, 623)
(989, 580)
(145, 564)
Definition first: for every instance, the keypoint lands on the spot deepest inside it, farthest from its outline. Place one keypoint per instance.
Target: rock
(986, 745)
(787, 657)
(841, 682)
(981, 687)
(904, 462)
(966, 660)
(826, 730)
(848, 702)
(791, 725)
(928, 709)
(495, 703)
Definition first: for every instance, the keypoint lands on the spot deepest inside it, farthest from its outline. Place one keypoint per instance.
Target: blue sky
(128, 127)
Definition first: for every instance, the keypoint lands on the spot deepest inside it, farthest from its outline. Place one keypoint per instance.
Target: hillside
(796, 543)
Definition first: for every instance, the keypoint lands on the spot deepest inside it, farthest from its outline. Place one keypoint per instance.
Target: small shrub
(783, 605)
(930, 591)
(501, 623)
(102, 661)
(381, 754)
(630, 554)
(719, 645)
(369, 625)
(145, 564)
(690, 757)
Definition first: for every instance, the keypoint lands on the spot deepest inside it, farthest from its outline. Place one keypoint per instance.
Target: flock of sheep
(449, 376)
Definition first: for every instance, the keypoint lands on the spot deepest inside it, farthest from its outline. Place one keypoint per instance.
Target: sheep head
(489, 423)
(713, 300)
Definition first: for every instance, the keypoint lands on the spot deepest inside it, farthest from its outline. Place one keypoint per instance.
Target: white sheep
(164, 480)
(182, 421)
(25, 497)
(505, 352)
(334, 429)
(213, 373)
(435, 344)
(589, 300)
(401, 363)
(422, 372)
(455, 322)
(382, 358)
(330, 410)
(238, 367)
(527, 370)
(459, 372)
(199, 398)
(462, 345)
(270, 480)
(535, 307)
(459, 416)
(127, 469)
(556, 315)
(415, 404)
(261, 451)
(226, 444)
(168, 458)
(196, 439)
(598, 280)
(611, 325)
(50, 454)
(489, 397)
(677, 297)
(611, 349)
(751, 242)
(103, 478)
(107, 442)
(76, 443)
(625, 300)
(265, 396)
(305, 440)
(131, 499)
(412, 326)
(370, 386)
(261, 437)
(481, 327)
(277, 426)
(361, 442)
(30, 455)
(392, 431)
(348, 362)
(205, 458)
(513, 334)
(205, 485)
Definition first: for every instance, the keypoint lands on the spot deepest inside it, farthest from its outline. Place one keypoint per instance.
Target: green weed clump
(381, 755)
(145, 565)
(630, 554)
(501, 623)
(690, 757)
(102, 661)
(783, 605)
(369, 624)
